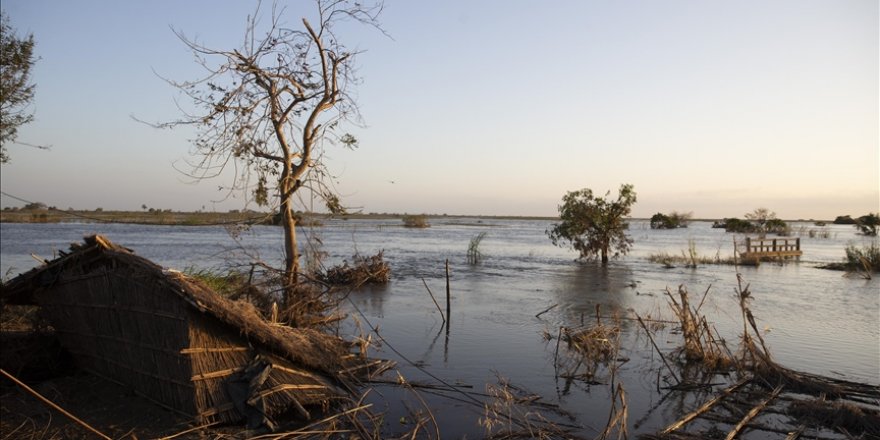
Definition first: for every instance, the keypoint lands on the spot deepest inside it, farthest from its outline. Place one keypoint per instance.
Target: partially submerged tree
(268, 107)
(765, 221)
(16, 90)
(674, 220)
(594, 226)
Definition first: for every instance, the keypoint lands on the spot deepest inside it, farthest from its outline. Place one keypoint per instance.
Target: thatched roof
(306, 347)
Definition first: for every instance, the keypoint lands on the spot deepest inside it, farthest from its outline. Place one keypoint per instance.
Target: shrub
(777, 226)
(416, 221)
(672, 221)
(737, 225)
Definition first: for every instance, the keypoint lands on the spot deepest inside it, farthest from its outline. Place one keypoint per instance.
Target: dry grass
(515, 413)
(363, 270)
(764, 386)
(701, 344)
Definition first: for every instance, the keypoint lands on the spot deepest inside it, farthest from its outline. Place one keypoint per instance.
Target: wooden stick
(53, 405)
(435, 301)
(448, 306)
(705, 407)
(651, 338)
(754, 412)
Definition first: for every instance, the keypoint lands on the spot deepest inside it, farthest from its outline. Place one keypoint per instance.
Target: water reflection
(579, 288)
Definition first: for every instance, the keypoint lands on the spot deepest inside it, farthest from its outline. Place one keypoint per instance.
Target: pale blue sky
(492, 107)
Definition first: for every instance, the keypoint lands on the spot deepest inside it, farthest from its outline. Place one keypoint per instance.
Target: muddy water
(813, 320)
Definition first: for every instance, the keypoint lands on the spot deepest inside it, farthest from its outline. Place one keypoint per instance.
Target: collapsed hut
(173, 341)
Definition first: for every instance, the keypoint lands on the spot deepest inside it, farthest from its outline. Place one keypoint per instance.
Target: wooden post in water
(448, 307)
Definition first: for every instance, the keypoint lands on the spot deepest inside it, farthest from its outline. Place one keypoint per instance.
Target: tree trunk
(291, 252)
(605, 255)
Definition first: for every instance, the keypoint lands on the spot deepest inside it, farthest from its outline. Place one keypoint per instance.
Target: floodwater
(813, 320)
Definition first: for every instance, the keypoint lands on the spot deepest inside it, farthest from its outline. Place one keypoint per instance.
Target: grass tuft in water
(473, 253)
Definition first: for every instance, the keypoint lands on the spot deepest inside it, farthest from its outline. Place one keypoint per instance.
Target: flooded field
(813, 320)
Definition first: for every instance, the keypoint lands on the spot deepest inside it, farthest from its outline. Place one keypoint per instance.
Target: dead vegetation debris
(363, 270)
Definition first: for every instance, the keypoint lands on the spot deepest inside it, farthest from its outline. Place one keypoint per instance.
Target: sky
(489, 107)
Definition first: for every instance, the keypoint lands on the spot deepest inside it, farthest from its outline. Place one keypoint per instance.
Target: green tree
(16, 91)
(594, 226)
(268, 108)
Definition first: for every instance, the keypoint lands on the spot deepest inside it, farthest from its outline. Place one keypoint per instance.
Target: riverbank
(198, 218)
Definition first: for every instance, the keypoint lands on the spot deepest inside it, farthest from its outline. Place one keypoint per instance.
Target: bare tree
(267, 109)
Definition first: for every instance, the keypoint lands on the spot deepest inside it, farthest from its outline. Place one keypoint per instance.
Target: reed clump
(597, 344)
(474, 256)
(363, 270)
(701, 343)
(513, 412)
(591, 347)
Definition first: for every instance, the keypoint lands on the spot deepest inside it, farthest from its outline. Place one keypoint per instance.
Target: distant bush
(844, 220)
(761, 221)
(672, 221)
(36, 206)
(416, 221)
(738, 226)
(777, 226)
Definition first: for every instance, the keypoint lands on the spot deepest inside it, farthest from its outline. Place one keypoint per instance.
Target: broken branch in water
(546, 310)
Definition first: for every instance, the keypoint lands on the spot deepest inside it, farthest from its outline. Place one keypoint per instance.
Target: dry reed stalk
(700, 345)
(753, 413)
(53, 405)
(662, 357)
(702, 409)
(511, 413)
(617, 417)
(442, 316)
(424, 404)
